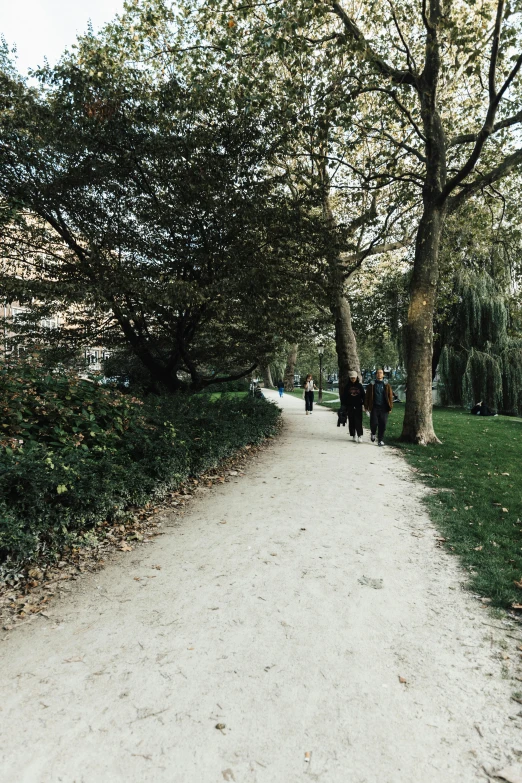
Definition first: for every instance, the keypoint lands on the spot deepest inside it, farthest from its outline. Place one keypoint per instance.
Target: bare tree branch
(505, 167)
(397, 75)
(410, 59)
(494, 101)
(350, 263)
(469, 138)
(494, 52)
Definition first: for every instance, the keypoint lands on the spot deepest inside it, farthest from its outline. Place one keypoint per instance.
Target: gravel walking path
(298, 623)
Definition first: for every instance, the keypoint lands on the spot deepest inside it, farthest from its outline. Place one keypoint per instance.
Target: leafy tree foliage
(151, 210)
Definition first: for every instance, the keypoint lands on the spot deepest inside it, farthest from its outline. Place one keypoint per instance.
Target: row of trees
(206, 183)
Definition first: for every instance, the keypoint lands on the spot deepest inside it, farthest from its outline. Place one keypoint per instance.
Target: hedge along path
(297, 623)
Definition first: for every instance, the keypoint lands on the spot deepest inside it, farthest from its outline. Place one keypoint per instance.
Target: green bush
(243, 384)
(73, 454)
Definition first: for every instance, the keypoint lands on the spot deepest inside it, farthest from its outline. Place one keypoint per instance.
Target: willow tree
(480, 360)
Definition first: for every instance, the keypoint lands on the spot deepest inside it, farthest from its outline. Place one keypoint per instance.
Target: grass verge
(480, 463)
(329, 398)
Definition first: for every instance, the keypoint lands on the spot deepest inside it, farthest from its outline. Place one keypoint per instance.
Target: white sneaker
(381, 443)
(359, 439)
(354, 438)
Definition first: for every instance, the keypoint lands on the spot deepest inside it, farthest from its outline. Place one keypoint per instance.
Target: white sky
(44, 28)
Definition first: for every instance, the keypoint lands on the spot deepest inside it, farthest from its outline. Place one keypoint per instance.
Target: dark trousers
(309, 401)
(378, 421)
(355, 421)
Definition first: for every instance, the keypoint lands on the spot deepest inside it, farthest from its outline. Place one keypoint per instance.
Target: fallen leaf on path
(228, 774)
(157, 567)
(511, 774)
(516, 606)
(74, 659)
(220, 726)
(403, 680)
(223, 522)
(518, 584)
(125, 547)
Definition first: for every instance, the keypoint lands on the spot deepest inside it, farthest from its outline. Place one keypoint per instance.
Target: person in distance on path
(281, 387)
(353, 400)
(379, 402)
(309, 387)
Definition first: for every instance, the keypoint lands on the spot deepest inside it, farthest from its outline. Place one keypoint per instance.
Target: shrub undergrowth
(74, 453)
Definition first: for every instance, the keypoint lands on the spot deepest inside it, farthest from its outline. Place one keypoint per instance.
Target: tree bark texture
(418, 416)
(345, 342)
(290, 367)
(266, 374)
(418, 420)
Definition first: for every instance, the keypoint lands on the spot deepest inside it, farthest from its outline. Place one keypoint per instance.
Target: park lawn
(480, 462)
(328, 397)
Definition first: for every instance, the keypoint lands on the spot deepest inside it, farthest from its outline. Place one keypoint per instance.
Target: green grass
(480, 461)
(228, 395)
(328, 397)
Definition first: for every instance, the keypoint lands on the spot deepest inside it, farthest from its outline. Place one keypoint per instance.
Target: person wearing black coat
(353, 400)
(481, 409)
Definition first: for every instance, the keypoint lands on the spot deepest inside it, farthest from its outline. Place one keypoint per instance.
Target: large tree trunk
(266, 374)
(345, 342)
(418, 420)
(290, 368)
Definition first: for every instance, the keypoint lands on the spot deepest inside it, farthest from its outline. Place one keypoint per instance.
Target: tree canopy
(202, 181)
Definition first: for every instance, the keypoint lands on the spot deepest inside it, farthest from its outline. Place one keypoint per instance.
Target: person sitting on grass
(481, 409)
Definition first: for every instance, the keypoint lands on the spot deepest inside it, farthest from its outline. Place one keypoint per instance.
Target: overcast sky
(44, 28)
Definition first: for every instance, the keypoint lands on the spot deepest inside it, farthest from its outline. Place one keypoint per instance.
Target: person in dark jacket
(481, 409)
(379, 402)
(281, 387)
(353, 401)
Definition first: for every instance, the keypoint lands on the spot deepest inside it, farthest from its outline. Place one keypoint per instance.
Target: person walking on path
(378, 402)
(309, 387)
(280, 387)
(353, 401)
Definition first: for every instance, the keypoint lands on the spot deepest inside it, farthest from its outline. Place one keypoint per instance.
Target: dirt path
(271, 624)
